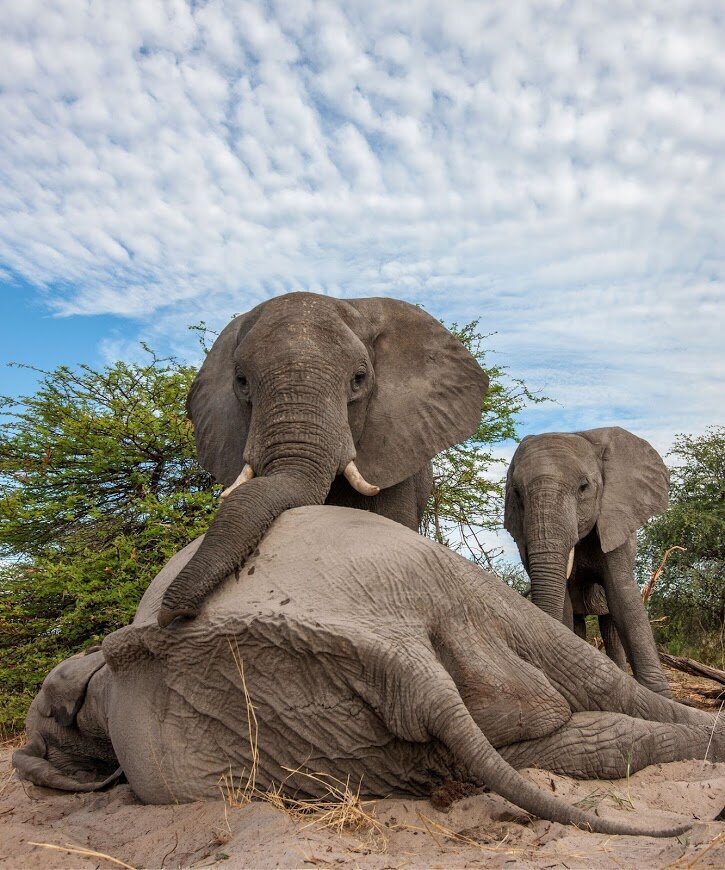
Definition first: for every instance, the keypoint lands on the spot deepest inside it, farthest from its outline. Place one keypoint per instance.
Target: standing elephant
(574, 502)
(308, 399)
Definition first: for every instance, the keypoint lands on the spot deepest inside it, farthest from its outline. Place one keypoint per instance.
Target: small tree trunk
(690, 666)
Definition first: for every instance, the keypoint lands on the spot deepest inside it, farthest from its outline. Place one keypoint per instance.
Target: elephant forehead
(302, 321)
(553, 451)
(322, 561)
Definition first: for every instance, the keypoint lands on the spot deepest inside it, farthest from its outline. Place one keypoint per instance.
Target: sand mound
(411, 833)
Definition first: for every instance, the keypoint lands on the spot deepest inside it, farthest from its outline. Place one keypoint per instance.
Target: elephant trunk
(550, 539)
(305, 448)
(547, 570)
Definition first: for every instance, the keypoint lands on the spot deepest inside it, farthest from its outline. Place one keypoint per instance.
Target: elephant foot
(167, 615)
(444, 796)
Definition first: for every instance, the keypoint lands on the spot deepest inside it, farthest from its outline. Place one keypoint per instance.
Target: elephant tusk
(247, 473)
(570, 563)
(357, 481)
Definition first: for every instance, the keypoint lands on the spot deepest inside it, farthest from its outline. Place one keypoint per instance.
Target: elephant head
(68, 744)
(562, 486)
(304, 388)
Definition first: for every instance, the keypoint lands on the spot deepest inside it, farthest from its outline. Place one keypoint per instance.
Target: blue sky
(553, 168)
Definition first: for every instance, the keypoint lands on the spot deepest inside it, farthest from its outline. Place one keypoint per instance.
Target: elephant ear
(64, 689)
(512, 520)
(428, 390)
(220, 422)
(636, 484)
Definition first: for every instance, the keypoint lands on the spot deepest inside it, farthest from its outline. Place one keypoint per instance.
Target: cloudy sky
(554, 168)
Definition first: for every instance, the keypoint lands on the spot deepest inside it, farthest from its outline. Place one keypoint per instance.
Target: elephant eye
(583, 487)
(242, 382)
(358, 380)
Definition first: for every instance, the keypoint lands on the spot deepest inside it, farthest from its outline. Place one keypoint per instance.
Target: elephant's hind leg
(580, 626)
(599, 745)
(508, 698)
(612, 643)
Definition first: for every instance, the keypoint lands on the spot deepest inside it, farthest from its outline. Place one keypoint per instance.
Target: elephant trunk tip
(167, 615)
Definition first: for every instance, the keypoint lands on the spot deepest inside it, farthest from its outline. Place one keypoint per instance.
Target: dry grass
(87, 853)
(12, 740)
(595, 798)
(435, 830)
(244, 791)
(714, 726)
(339, 809)
(688, 861)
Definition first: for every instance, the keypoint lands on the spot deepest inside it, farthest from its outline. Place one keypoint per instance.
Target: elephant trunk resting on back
(368, 652)
(574, 502)
(305, 389)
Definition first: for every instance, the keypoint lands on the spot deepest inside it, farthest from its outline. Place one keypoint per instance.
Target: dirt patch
(695, 691)
(411, 833)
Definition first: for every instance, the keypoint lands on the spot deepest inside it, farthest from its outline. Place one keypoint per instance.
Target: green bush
(690, 591)
(99, 486)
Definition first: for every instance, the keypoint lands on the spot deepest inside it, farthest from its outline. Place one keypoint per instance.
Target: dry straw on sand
(340, 809)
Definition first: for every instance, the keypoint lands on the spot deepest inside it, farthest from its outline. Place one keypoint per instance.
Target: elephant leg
(508, 698)
(438, 711)
(580, 626)
(630, 618)
(612, 643)
(568, 618)
(599, 745)
(588, 680)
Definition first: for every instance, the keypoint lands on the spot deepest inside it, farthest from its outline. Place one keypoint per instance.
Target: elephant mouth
(351, 472)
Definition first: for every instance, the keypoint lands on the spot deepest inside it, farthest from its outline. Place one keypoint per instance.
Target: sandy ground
(480, 830)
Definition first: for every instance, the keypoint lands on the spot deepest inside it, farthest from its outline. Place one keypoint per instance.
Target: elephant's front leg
(600, 745)
(630, 617)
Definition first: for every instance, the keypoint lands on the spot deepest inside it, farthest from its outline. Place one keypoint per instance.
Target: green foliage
(690, 591)
(99, 486)
(467, 497)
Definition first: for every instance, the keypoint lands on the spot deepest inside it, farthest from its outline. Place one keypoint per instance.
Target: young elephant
(371, 653)
(573, 505)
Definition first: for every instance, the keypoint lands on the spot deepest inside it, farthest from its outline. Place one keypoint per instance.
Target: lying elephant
(372, 653)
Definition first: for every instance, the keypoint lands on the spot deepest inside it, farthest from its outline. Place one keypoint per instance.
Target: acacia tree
(99, 486)
(690, 592)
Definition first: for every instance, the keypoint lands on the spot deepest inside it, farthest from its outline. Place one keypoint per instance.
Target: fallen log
(690, 666)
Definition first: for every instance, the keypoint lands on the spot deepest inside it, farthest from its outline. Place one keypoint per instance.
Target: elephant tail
(453, 725)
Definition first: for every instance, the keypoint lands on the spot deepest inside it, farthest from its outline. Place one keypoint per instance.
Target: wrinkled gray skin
(372, 653)
(589, 491)
(300, 386)
(68, 744)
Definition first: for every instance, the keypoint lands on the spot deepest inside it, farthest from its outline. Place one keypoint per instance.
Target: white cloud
(553, 168)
